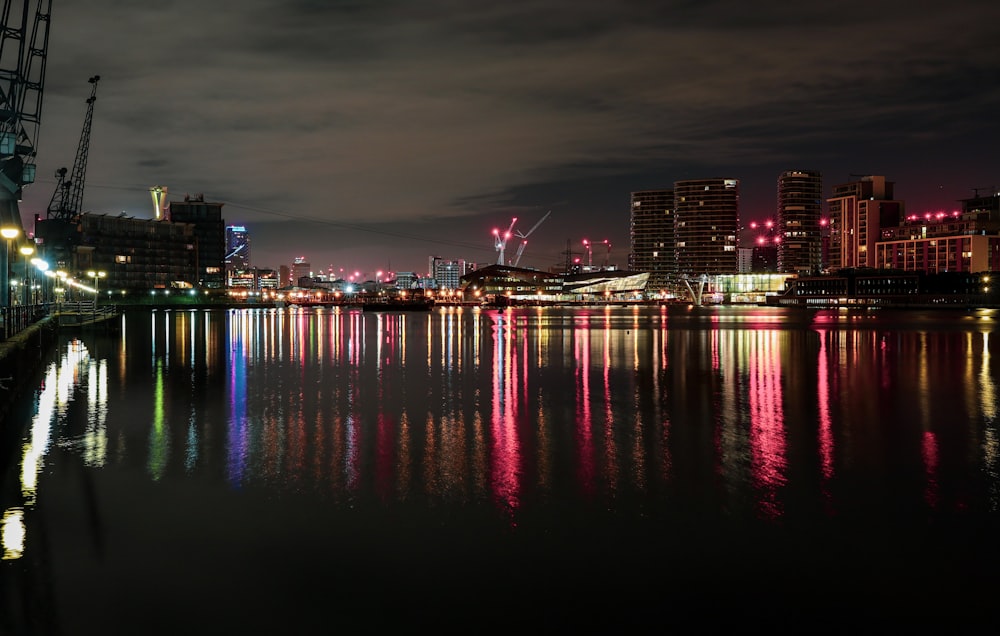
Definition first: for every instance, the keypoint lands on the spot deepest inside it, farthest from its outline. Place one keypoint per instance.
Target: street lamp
(97, 276)
(43, 267)
(8, 233)
(26, 251)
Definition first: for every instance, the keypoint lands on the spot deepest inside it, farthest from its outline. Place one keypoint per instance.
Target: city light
(26, 251)
(97, 276)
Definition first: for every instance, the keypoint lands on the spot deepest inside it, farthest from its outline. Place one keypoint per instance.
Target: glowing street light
(43, 266)
(8, 233)
(26, 251)
(97, 276)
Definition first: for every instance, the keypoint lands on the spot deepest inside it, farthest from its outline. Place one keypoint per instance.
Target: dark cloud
(449, 118)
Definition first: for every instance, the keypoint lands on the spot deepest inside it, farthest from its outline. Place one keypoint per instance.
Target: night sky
(371, 135)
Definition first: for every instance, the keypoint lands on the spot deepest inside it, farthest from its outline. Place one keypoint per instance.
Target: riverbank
(20, 358)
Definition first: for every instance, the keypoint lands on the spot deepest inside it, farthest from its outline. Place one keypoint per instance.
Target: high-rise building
(446, 274)
(800, 208)
(237, 248)
(651, 229)
(858, 212)
(210, 232)
(706, 218)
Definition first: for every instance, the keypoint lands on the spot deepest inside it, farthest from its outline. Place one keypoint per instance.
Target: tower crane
(22, 77)
(524, 237)
(589, 245)
(500, 240)
(68, 196)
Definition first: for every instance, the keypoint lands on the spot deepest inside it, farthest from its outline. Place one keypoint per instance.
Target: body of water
(615, 469)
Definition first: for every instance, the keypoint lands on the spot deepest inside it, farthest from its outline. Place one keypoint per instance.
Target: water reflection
(751, 413)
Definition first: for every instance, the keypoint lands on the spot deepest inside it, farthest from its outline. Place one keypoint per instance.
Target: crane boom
(524, 243)
(67, 199)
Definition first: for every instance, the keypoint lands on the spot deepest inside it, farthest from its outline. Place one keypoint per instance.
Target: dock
(86, 314)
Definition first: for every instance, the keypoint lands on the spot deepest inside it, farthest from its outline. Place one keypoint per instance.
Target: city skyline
(372, 137)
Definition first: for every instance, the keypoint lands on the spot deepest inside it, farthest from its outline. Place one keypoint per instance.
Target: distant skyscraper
(800, 207)
(652, 234)
(706, 218)
(237, 248)
(858, 211)
(210, 230)
(301, 275)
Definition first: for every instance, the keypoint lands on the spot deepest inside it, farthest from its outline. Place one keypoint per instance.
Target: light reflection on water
(341, 399)
(319, 398)
(769, 415)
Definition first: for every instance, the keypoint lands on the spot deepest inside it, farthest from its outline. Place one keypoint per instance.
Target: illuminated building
(210, 232)
(651, 230)
(406, 280)
(301, 273)
(137, 254)
(858, 212)
(960, 241)
(447, 274)
(266, 279)
(954, 253)
(706, 218)
(800, 207)
(496, 282)
(870, 287)
(237, 248)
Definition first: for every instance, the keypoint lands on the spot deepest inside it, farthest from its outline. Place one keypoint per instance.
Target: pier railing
(16, 319)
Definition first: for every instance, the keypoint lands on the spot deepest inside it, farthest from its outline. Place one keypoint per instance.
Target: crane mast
(500, 241)
(67, 199)
(23, 55)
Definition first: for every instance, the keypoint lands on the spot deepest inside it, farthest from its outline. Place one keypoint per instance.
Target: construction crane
(22, 77)
(500, 240)
(524, 238)
(590, 252)
(589, 245)
(23, 56)
(67, 199)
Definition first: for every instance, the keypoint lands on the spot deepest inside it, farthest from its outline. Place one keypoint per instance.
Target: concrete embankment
(21, 357)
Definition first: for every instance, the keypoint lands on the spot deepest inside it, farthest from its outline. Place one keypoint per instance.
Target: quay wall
(20, 362)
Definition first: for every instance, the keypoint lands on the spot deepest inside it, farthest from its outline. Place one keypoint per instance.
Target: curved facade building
(800, 207)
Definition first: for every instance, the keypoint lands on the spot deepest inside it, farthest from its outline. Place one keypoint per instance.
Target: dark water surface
(620, 470)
